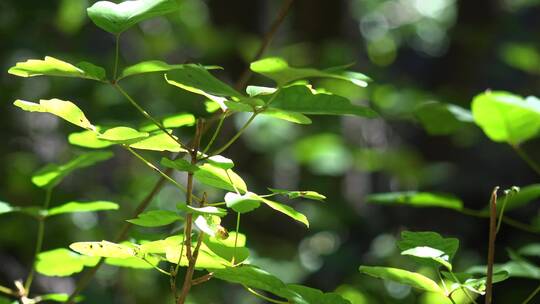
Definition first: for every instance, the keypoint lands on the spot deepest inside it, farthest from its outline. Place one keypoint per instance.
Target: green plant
(504, 117)
(203, 244)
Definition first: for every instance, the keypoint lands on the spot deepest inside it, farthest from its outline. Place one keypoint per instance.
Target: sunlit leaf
(171, 122)
(242, 203)
(202, 210)
(402, 276)
(429, 245)
(51, 66)
(5, 207)
(416, 199)
(207, 259)
(287, 210)
(506, 117)
(61, 108)
(58, 297)
(116, 18)
(104, 249)
(476, 284)
(299, 194)
(279, 70)
(73, 207)
(52, 174)
(315, 296)
(209, 224)
(289, 116)
(133, 262)
(301, 99)
(258, 279)
(63, 262)
(226, 248)
(215, 176)
(122, 135)
(155, 218)
(159, 141)
(442, 118)
(88, 139)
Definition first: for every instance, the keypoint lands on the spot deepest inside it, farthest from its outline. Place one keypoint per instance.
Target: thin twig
(39, 242)
(8, 291)
(240, 84)
(205, 278)
(147, 115)
(284, 10)
(491, 245)
(116, 53)
(535, 166)
(532, 295)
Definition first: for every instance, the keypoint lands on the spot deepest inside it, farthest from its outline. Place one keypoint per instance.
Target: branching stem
(491, 245)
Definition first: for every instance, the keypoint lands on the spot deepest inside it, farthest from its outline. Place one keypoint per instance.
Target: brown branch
(240, 84)
(491, 245)
(205, 278)
(267, 39)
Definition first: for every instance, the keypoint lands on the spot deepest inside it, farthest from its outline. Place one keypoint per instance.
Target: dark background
(415, 51)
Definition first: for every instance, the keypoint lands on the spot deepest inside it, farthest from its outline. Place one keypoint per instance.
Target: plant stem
(116, 53)
(236, 237)
(509, 221)
(491, 245)
(8, 291)
(216, 132)
(263, 296)
(501, 214)
(267, 39)
(39, 242)
(532, 295)
(535, 166)
(191, 256)
(240, 84)
(147, 115)
(237, 135)
(203, 279)
(153, 167)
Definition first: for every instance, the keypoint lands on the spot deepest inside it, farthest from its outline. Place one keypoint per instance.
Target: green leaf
(259, 279)
(196, 79)
(402, 276)
(416, 199)
(301, 99)
(506, 117)
(442, 118)
(530, 250)
(155, 218)
(116, 18)
(52, 174)
(226, 249)
(472, 283)
(207, 259)
(104, 249)
(279, 70)
(58, 297)
(73, 207)
(315, 296)
(88, 139)
(214, 176)
(5, 207)
(51, 66)
(220, 162)
(122, 135)
(293, 117)
(171, 122)
(202, 210)
(61, 108)
(287, 210)
(179, 164)
(159, 141)
(299, 194)
(429, 245)
(242, 203)
(63, 262)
